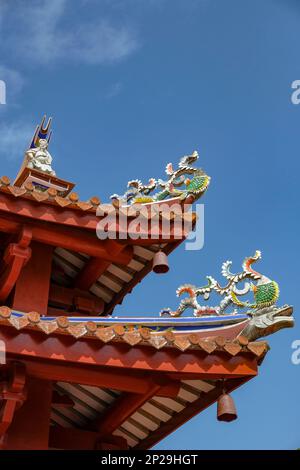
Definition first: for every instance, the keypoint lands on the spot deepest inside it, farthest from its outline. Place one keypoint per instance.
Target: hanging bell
(160, 263)
(226, 408)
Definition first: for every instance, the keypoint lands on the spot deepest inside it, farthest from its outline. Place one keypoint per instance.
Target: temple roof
(38, 197)
(142, 336)
(134, 379)
(49, 207)
(192, 370)
(150, 423)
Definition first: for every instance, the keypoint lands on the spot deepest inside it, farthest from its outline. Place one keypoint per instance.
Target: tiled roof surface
(49, 196)
(72, 201)
(131, 336)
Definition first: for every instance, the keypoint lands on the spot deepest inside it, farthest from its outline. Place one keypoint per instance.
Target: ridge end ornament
(37, 169)
(182, 182)
(264, 316)
(39, 158)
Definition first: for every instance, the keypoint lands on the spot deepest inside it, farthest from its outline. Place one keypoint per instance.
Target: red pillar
(30, 426)
(32, 287)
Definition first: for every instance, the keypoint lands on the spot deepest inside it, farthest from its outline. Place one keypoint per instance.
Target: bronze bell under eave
(226, 408)
(160, 263)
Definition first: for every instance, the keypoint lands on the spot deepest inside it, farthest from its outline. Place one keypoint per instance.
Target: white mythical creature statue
(39, 158)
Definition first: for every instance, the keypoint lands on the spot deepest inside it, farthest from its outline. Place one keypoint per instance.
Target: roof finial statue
(39, 158)
(37, 168)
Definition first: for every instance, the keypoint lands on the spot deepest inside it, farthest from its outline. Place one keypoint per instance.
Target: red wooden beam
(72, 239)
(6, 416)
(62, 349)
(128, 287)
(128, 403)
(32, 287)
(12, 395)
(122, 409)
(71, 439)
(96, 266)
(15, 257)
(65, 297)
(90, 273)
(78, 439)
(80, 242)
(104, 377)
(22, 434)
(169, 388)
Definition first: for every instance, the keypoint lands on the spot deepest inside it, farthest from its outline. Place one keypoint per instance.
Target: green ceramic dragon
(266, 291)
(196, 184)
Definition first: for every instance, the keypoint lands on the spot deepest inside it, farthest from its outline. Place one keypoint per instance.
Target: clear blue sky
(133, 85)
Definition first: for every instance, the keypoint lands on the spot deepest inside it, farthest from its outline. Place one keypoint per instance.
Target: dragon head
(188, 159)
(267, 321)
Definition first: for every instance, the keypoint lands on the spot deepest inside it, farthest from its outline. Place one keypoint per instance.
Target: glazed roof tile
(50, 196)
(132, 336)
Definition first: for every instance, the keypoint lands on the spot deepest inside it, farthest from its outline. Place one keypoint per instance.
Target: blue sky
(135, 84)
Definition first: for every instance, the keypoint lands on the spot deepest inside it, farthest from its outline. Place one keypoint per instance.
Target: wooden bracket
(112, 443)
(15, 257)
(79, 439)
(75, 300)
(12, 394)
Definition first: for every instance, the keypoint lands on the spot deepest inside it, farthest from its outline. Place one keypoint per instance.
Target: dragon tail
(236, 301)
(249, 261)
(186, 289)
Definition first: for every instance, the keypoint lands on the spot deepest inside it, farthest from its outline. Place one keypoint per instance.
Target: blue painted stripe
(178, 323)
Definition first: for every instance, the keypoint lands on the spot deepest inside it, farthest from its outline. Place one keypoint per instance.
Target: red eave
(69, 224)
(147, 384)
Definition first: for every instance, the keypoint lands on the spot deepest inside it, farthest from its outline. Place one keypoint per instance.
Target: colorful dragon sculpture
(196, 184)
(266, 291)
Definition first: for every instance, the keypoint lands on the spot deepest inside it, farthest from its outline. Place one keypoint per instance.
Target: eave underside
(133, 393)
(150, 423)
